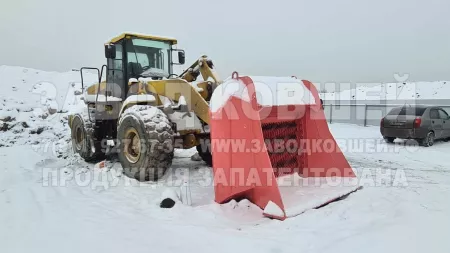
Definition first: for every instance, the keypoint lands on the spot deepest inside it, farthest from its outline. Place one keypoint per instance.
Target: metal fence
(361, 114)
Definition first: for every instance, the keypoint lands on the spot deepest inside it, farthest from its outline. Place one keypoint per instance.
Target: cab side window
(115, 76)
(116, 64)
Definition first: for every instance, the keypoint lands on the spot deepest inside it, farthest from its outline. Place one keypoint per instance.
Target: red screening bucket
(271, 145)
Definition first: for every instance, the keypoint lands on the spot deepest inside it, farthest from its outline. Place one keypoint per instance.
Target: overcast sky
(320, 40)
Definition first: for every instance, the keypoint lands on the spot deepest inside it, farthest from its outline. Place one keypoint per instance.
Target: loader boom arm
(203, 66)
(174, 89)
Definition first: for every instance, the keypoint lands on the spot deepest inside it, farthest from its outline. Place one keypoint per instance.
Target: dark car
(422, 123)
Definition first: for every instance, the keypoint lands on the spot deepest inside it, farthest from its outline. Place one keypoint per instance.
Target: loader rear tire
(204, 151)
(83, 142)
(145, 139)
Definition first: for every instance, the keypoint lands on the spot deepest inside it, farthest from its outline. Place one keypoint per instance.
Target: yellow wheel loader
(143, 110)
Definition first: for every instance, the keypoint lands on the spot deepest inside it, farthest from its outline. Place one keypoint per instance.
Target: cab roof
(142, 36)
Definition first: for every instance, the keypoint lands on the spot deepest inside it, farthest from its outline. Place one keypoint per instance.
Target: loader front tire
(204, 151)
(83, 142)
(145, 139)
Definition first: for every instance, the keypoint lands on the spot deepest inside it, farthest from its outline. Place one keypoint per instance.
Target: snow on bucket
(271, 144)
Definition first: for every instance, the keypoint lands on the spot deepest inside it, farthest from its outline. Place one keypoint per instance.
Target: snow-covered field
(51, 201)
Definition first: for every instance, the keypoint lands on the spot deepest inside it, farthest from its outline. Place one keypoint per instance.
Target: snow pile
(394, 91)
(34, 107)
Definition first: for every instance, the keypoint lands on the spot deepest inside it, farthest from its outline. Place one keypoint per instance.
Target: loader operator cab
(135, 56)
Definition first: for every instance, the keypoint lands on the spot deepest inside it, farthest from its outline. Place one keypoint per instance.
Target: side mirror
(181, 57)
(110, 51)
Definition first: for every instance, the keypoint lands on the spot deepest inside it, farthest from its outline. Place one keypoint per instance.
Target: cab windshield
(148, 58)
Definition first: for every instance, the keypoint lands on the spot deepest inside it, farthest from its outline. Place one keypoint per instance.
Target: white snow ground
(51, 201)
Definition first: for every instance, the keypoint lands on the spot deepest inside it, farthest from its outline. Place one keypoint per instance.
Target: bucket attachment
(271, 145)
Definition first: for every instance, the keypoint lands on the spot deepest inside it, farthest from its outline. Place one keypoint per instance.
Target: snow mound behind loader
(271, 144)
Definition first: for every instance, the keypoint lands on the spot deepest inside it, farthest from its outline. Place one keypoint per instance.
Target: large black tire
(428, 141)
(150, 157)
(204, 151)
(389, 139)
(83, 142)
